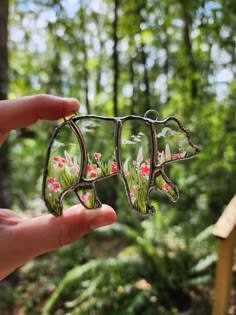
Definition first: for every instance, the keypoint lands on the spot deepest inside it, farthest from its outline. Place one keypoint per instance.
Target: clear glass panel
(99, 139)
(63, 168)
(88, 197)
(172, 142)
(166, 186)
(135, 159)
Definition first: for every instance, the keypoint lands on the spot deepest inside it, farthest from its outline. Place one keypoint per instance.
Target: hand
(22, 239)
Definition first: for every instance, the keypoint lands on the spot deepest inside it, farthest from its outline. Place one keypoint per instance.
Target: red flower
(56, 185)
(114, 163)
(113, 169)
(53, 185)
(93, 174)
(50, 180)
(60, 161)
(97, 155)
(176, 156)
(165, 186)
(144, 170)
(56, 158)
(91, 167)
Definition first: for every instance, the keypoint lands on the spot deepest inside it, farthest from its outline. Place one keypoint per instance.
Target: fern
(109, 285)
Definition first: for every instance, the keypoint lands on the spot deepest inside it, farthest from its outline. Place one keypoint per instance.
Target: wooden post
(225, 230)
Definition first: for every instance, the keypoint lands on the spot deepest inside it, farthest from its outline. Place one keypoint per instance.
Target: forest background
(120, 58)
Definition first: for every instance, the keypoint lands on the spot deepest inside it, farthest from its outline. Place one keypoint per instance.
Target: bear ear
(173, 142)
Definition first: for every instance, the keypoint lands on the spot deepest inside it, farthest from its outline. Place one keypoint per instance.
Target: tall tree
(4, 152)
(3, 49)
(187, 23)
(115, 59)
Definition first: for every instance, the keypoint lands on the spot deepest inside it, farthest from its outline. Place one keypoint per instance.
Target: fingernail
(99, 217)
(98, 221)
(70, 113)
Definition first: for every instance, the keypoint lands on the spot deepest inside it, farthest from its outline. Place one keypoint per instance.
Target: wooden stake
(225, 230)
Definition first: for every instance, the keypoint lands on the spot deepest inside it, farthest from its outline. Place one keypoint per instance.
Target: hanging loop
(151, 112)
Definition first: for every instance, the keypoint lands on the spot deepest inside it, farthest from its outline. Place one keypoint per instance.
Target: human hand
(22, 239)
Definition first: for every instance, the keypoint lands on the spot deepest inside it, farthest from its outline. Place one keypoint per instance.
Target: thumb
(45, 233)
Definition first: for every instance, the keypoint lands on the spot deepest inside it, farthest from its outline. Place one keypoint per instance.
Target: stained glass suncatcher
(86, 149)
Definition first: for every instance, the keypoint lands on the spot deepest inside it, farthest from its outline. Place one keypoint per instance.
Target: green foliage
(177, 57)
(152, 272)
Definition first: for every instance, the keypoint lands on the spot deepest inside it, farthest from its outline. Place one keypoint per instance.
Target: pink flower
(63, 160)
(131, 196)
(148, 161)
(97, 155)
(165, 186)
(140, 155)
(68, 159)
(75, 169)
(83, 198)
(61, 165)
(114, 163)
(181, 149)
(51, 189)
(134, 162)
(133, 189)
(176, 156)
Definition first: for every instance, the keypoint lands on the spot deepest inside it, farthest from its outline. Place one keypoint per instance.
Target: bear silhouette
(86, 149)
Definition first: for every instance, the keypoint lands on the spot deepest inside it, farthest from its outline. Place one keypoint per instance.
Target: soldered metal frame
(154, 169)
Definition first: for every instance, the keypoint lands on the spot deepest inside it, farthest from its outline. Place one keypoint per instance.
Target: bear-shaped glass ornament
(86, 149)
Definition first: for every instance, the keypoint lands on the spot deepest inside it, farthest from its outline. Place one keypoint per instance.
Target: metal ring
(151, 111)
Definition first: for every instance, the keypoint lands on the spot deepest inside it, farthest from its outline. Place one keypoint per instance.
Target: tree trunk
(145, 79)
(131, 75)
(113, 196)
(188, 49)
(115, 59)
(3, 49)
(86, 73)
(5, 195)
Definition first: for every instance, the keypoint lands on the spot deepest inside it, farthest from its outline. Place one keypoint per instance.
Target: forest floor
(27, 289)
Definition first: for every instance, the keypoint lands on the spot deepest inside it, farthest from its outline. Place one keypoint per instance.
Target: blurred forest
(120, 58)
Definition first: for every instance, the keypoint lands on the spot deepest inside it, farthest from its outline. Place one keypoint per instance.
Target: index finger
(27, 110)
